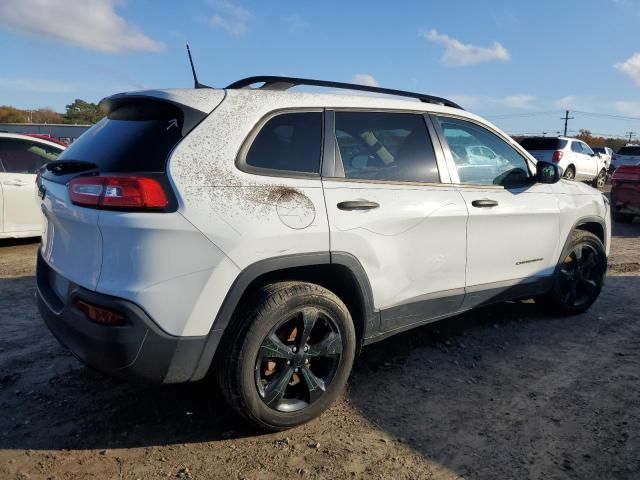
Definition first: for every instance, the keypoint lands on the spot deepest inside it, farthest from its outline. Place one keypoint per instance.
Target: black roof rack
(285, 83)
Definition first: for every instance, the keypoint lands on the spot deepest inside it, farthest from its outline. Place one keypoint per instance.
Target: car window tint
(18, 156)
(575, 146)
(481, 157)
(289, 142)
(385, 146)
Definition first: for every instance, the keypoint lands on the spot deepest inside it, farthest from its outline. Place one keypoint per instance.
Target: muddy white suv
(265, 236)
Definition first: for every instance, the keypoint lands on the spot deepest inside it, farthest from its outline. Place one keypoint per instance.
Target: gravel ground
(507, 392)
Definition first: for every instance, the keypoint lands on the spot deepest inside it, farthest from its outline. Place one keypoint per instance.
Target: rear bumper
(139, 350)
(626, 201)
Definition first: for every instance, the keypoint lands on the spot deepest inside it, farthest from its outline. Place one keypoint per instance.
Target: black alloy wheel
(298, 360)
(581, 275)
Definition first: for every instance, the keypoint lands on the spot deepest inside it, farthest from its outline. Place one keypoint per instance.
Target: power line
(528, 114)
(631, 135)
(608, 115)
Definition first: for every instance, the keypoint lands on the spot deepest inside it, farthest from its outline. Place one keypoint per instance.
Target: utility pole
(631, 135)
(566, 119)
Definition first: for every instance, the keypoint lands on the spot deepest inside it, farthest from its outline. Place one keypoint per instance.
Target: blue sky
(506, 60)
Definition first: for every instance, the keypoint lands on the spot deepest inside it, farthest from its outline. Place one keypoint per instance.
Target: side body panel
(21, 211)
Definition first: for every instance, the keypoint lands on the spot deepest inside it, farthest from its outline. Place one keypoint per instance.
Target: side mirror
(547, 172)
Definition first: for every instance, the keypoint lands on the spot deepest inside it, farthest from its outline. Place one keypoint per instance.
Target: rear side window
(542, 143)
(290, 142)
(18, 156)
(576, 147)
(385, 146)
(135, 137)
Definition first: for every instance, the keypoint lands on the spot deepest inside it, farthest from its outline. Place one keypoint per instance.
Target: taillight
(100, 315)
(129, 193)
(557, 156)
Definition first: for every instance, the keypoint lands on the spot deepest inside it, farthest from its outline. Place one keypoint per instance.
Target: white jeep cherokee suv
(266, 235)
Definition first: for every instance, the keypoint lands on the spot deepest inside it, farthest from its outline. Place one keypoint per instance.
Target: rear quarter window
(288, 142)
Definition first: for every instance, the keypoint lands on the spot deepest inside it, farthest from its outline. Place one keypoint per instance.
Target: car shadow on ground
(502, 389)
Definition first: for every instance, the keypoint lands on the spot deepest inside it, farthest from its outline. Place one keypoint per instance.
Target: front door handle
(484, 203)
(357, 205)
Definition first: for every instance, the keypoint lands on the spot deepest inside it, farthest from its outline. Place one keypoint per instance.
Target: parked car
(266, 236)
(606, 154)
(45, 136)
(625, 193)
(20, 158)
(627, 155)
(574, 157)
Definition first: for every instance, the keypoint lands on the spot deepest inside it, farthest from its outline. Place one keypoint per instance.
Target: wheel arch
(339, 272)
(595, 225)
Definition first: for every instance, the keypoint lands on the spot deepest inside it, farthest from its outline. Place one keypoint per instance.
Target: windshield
(629, 150)
(543, 143)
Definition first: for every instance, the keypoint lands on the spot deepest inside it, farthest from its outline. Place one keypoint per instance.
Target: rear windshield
(543, 143)
(135, 137)
(598, 149)
(629, 151)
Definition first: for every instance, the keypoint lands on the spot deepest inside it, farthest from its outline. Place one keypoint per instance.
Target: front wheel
(288, 355)
(579, 275)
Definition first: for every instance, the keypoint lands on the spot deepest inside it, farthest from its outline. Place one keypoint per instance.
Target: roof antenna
(196, 83)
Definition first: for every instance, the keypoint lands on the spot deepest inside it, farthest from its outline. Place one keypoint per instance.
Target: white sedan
(20, 158)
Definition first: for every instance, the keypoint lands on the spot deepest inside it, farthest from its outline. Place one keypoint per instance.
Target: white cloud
(628, 108)
(91, 24)
(35, 85)
(518, 101)
(365, 79)
(230, 17)
(458, 54)
(631, 67)
(296, 23)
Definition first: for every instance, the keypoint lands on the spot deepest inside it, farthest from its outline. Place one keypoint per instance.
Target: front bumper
(139, 350)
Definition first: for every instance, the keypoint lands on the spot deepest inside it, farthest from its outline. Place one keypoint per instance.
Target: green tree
(81, 111)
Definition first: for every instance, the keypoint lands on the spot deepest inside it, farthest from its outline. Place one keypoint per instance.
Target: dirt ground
(507, 392)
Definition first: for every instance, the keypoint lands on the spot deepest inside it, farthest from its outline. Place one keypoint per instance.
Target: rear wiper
(63, 167)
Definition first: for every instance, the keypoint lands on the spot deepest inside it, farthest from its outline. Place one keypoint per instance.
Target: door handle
(15, 183)
(357, 205)
(484, 203)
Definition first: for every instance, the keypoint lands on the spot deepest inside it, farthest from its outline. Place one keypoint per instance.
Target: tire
(622, 217)
(569, 173)
(270, 331)
(600, 180)
(577, 280)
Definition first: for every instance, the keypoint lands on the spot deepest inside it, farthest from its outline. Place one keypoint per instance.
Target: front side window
(385, 146)
(481, 157)
(586, 149)
(289, 142)
(18, 156)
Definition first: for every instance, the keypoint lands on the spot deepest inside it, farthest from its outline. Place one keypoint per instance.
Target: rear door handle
(357, 205)
(484, 203)
(16, 183)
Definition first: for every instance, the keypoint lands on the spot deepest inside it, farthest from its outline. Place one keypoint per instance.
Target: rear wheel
(570, 173)
(288, 355)
(601, 179)
(579, 276)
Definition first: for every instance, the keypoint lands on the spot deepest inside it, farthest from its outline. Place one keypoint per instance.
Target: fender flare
(255, 270)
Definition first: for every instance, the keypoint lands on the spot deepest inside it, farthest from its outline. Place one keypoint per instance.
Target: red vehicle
(46, 137)
(625, 193)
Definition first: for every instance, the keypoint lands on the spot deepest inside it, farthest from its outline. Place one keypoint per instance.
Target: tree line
(79, 111)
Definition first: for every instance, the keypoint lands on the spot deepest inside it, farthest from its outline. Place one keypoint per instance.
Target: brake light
(100, 315)
(557, 156)
(130, 193)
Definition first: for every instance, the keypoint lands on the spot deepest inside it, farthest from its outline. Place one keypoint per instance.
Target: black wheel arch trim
(262, 267)
(583, 221)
